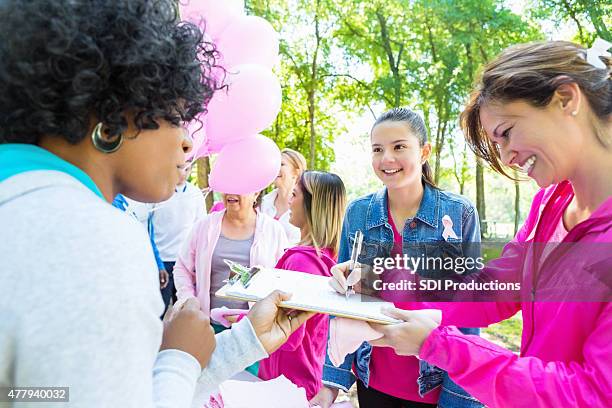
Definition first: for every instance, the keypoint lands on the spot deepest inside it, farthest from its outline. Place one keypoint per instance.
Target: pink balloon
(215, 14)
(248, 40)
(246, 166)
(248, 106)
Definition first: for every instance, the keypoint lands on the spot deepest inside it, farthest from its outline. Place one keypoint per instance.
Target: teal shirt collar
(18, 158)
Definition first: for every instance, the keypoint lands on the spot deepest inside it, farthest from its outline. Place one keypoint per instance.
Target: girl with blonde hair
(317, 208)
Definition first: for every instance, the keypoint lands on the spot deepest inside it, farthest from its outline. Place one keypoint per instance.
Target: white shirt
(174, 218)
(82, 309)
(267, 207)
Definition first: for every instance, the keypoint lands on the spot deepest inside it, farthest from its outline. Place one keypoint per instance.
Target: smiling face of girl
(397, 154)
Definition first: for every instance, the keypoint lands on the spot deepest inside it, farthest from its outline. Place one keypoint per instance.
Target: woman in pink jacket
(239, 233)
(317, 209)
(546, 108)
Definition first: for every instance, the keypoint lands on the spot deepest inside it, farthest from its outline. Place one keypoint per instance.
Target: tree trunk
(313, 134)
(394, 63)
(312, 91)
(480, 197)
(595, 17)
(480, 191)
(203, 172)
(458, 173)
(572, 13)
(439, 146)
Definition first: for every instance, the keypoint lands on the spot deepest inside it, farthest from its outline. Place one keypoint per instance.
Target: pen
(355, 252)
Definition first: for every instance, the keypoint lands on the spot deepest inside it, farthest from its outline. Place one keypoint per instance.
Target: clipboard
(310, 293)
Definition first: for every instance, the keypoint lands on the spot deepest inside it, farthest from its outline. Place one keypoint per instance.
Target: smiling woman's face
(538, 140)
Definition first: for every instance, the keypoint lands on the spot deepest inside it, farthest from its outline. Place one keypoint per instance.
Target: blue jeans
(451, 395)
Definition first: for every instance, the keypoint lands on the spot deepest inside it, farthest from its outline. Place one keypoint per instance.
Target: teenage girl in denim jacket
(406, 217)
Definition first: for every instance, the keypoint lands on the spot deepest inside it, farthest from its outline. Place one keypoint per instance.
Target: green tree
(304, 123)
(591, 17)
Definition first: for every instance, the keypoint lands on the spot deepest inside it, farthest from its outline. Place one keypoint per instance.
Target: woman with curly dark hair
(93, 98)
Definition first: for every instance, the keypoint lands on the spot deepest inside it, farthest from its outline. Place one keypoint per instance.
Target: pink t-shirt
(392, 374)
(397, 237)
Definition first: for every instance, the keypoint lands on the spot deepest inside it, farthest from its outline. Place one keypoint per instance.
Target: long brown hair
(532, 73)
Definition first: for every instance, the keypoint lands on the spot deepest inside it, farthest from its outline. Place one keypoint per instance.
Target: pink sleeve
(473, 314)
(508, 267)
(301, 263)
(499, 378)
(184, 268)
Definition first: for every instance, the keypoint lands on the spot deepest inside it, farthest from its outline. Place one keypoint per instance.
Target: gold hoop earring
(104, 145)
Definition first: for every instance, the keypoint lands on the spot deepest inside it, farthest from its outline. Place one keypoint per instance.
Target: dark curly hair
(64, 62)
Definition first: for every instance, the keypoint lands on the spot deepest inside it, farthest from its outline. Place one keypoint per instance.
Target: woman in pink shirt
(545, 108)
(317, 209)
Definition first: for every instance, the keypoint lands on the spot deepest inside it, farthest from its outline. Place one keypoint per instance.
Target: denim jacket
(369, 214)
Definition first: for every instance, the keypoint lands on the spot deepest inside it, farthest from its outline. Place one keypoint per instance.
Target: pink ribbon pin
(448, 228)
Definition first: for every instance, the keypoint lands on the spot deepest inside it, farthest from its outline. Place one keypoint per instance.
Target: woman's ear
(568, 97)
(296, 174)
(425, 152)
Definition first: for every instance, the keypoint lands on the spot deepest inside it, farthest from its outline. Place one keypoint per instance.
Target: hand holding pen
(347, 275)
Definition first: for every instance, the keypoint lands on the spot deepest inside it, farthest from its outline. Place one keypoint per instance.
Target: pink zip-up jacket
(301, 358)
(566, 347)
(193, 264)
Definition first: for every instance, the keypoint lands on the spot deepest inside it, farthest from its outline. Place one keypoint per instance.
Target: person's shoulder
(191, 188)
(269, 222)
(267, 202)
(456, 200)
(85, 237)
(205, 220)
(364, 201)
(304, 259)
(91, 218)
(270, 195)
